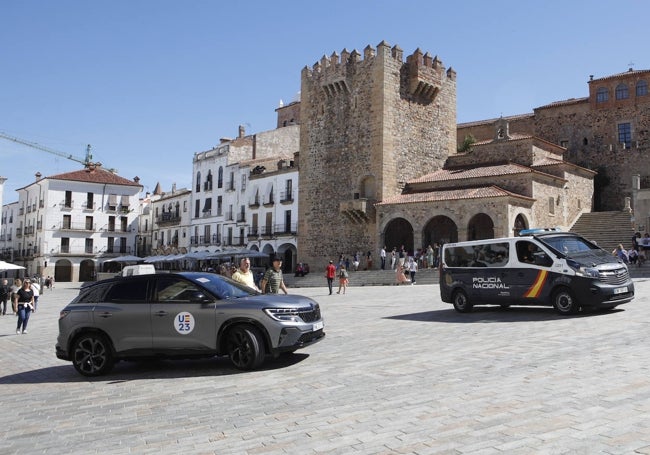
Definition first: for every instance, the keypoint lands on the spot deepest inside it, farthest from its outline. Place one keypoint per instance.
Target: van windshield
(569, 245)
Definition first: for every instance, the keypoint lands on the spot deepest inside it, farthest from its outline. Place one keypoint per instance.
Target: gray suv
(182, 315)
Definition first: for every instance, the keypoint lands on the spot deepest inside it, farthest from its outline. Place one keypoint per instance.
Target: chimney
(242, 131)
(38, 175)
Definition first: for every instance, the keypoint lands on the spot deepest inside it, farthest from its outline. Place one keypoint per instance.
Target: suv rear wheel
(245, 347)
(91, 354)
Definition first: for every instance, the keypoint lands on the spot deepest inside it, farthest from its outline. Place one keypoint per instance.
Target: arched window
(208, 181)
(622, 92)
(220, 177)
(198, 182)
(641, 88)
(602, 95)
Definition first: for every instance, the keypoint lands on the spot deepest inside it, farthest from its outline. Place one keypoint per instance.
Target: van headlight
(588, 272)
(283, 314)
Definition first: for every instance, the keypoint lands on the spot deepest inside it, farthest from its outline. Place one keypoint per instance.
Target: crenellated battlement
(425, 75)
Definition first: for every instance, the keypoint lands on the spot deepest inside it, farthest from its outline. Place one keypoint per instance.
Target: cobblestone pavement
(399, 372)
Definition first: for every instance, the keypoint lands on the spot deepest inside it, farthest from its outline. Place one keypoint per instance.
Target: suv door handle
(161, 313)
(105, 314)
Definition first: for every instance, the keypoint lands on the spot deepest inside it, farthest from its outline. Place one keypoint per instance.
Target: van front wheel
(461, 302)
(564, 302)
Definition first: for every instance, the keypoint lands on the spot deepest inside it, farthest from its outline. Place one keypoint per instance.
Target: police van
(540, 267)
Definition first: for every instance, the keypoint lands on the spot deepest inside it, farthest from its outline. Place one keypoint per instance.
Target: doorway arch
(399, 232)
(480, 227)
(63, 271)
(87, 270)
(520, 224)
(440, 229)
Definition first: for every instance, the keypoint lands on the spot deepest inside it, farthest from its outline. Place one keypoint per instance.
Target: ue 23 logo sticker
(184, 323)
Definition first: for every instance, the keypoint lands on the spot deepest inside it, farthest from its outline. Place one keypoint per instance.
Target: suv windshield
(222, 287)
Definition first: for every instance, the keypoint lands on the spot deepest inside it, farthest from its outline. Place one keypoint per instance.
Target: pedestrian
(401, 257)
(15, 287)
(400, 277)
(369, 260)
(430, 261)
(244, 274)
(343, 280)
(355, 261)
(393, 258)
(330, 273)
(24, 305)
(273, 281)
(382, 256)
(412, 268)
(36, 289)
(5, 294)
(621, 253)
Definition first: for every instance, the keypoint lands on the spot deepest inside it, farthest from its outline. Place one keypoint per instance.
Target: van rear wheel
(461, 302)
(565, 302)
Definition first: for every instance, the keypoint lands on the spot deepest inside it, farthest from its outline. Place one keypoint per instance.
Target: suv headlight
(283, 314)
(588, 272)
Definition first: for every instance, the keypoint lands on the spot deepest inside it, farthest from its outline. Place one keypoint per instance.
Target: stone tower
(368, 125)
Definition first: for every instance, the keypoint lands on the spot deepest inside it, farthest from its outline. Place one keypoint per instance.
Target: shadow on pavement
(126, 371)
(489, 314)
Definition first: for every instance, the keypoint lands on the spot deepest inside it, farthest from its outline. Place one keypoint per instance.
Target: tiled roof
(481, 192)
(492, 120)
(568, 102)
(472, 172)
(513, 137)
(96, 175)
(626, 73)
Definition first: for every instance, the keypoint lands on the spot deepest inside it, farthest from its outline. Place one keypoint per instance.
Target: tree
(466, 146)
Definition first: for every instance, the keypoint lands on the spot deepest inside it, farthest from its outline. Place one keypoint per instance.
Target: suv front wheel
(91, 354)
(245, 347)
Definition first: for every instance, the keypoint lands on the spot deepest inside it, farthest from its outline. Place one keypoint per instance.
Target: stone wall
(588, 129)
(368, 125)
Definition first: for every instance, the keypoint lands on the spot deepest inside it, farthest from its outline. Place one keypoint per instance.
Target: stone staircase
(360, 278)
(607, 229)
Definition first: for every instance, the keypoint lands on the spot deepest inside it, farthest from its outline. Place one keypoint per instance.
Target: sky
(149, 83)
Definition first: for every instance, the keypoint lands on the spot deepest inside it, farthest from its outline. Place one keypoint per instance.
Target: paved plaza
(399, 372)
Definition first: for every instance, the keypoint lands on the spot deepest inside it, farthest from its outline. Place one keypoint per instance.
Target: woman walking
(25, 305)
(343, 280)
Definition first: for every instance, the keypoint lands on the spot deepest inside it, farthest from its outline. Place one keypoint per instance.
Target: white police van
(540, 267)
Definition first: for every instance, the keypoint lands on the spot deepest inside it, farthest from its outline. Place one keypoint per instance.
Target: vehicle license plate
(622, 290)
(318, 326)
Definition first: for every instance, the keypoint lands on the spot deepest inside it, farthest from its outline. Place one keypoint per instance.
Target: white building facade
(68, 224)
(237, 203)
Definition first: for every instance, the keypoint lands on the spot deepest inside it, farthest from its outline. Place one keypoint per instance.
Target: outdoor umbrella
(125, 259)
(8, 266)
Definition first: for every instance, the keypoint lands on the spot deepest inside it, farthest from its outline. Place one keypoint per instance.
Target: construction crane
(87, 161)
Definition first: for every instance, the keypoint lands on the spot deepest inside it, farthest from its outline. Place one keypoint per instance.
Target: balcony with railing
(69, 226)
(254, 202)
(66, 205)
(278, 230)
(86, 207)
(84, 250)
(286, 197)
(168, 218)
(269, 200)
(253, 232)
(215, 240)
(241, 217)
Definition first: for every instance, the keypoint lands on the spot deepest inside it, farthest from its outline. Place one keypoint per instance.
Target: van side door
(530, 273)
